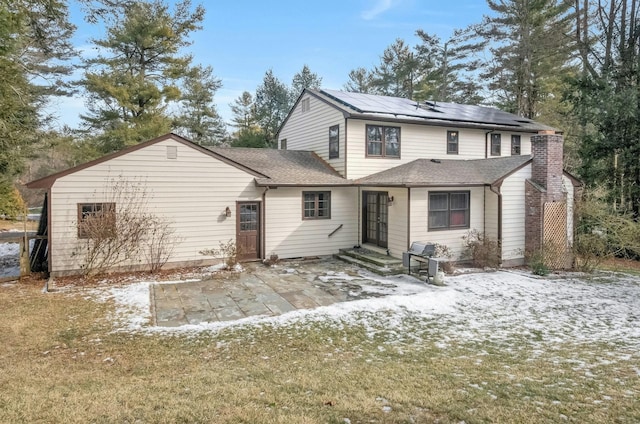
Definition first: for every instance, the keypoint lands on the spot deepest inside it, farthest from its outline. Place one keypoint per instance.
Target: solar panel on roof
(441, 111)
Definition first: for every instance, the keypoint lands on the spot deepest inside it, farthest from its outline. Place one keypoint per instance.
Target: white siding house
(350, 169)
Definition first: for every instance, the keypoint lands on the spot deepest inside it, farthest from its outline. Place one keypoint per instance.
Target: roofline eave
(451, 123)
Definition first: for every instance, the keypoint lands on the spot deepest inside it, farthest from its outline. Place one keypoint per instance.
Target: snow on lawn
(10, 256)
(503, 307)
(9, 261)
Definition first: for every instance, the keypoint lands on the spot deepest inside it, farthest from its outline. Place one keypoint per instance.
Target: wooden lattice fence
(557, 253)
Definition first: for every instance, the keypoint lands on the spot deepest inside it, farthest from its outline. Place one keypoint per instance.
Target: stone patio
(259, 290)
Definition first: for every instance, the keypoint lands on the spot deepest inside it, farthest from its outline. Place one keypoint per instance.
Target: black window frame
(382, 141)
(96, 208)
(496, 142)
(334, 142)
(283, 144)
(449, 211)
(316, 205)
(516, 145)
(453, 140)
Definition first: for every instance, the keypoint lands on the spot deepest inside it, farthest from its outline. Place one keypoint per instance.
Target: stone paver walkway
(259, 290)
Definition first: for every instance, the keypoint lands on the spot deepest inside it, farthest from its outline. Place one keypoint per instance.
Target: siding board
(513, 215)
(192, 196)
(290, 236)
(450, 238)
(310, 130)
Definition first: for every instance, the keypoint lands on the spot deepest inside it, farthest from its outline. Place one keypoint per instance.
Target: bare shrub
(229, 251)
(120, 230)
(159, 243)
(483, 250)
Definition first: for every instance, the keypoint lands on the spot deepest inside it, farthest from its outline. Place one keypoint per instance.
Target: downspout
(359, 241)
(345, 148)
(408, 218)
(263, 237)
(486, 144)
(499, 218)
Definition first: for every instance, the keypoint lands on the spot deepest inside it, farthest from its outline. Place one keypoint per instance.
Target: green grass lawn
(62, 362)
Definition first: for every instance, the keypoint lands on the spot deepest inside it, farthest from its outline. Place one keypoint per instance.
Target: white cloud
(380, 7)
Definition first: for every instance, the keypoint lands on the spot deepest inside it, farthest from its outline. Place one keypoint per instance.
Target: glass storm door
(375, 217)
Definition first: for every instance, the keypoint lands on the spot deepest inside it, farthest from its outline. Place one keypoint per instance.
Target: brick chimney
(547, 169)
(545, 186)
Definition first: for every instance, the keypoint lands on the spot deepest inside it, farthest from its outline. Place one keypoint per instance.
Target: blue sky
(242, 39)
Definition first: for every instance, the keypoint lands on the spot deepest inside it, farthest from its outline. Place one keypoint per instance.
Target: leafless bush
(229, 251)
(121, 231)
(159, 243)
(483, 250)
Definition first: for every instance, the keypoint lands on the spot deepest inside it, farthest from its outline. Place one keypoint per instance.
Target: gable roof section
(48, 181)
(447, 172)
(386, 108)
(284, 167)
(268, 166)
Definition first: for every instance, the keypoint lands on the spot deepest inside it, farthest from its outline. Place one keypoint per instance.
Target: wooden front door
(248, 230)
(375, 215)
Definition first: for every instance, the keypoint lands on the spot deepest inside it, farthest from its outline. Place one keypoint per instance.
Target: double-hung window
(448, 210)
(515, 145)
(452, 142)
(383, 141)
(334, 142)
(316, 205)
(496, 140)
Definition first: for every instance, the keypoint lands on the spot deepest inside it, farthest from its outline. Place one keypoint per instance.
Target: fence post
(25, 267)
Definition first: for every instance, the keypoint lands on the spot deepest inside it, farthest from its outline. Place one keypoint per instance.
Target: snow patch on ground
(502, 307)
(10, 257)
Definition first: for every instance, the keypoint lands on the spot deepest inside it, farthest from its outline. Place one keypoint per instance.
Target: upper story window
(96, 220)
(452, 142)
(383, 141)
(334, 142)
(515, 145)
(448, 210)
(496, 140)
(305, 105)
(283, 144)
(316, 204)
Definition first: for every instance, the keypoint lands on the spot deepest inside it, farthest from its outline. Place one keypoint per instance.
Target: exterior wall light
(227, 212)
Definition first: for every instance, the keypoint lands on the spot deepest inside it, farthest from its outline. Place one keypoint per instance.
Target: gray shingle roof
(370, 106)
(446, 172)
(283, 167)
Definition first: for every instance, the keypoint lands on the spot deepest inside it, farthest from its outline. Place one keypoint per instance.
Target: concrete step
(372, 257)
(380, 270)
